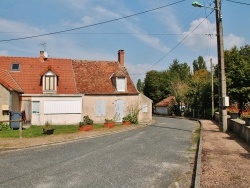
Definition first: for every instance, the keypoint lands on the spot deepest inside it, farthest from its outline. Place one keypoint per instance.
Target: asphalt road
(147, 157)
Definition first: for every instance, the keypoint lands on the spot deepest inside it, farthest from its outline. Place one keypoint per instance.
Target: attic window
(121, 84)
(15, 67)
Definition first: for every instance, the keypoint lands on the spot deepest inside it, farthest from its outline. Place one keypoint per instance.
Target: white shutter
(63, 107)
(100, 108)
(120, 84)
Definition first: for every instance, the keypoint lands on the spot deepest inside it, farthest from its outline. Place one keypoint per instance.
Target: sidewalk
(225, 159)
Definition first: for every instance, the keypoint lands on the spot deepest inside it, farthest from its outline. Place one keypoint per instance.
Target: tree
(199, 64)
(237, 65)
(155, 85)
(140, 85)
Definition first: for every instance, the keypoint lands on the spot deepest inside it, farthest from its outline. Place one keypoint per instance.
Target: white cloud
(4, 53)
(233, 40)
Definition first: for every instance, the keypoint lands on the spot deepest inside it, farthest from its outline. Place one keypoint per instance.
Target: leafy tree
(237, 68)
(155, 85)
(199, 64)
(140, 85)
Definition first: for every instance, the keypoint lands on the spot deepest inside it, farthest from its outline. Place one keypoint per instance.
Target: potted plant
(127, 120)
(109, 123)
(233, 111)
(48, 129)
(87, 124)
(245, 115)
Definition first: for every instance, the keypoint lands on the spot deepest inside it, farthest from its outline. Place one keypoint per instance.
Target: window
(63, 107)
(144, 108)
(121, 83)
(35, 107)
(15, 67)
(49, 83)
(100, 108)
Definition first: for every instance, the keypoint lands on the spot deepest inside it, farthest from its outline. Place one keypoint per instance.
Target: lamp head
(196, 4)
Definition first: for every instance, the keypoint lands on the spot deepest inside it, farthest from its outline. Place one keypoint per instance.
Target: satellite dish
(45, 54)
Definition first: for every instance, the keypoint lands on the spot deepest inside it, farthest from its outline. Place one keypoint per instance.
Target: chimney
(121, 57)
(43, 56)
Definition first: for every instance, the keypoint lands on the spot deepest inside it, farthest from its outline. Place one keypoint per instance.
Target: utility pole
(212, 80)
(223, 99)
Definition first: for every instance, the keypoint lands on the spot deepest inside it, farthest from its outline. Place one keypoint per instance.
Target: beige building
(62, 91)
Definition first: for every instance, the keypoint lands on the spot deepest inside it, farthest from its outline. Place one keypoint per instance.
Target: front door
(119, 110)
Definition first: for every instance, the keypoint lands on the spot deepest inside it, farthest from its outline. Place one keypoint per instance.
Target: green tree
(237, 68)
(199, 64)
(140, 85)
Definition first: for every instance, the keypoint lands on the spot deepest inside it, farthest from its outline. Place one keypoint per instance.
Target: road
(153, 156)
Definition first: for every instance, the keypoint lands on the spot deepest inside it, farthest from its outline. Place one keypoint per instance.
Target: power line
(91, 25)
(238, 2)
(176, 45)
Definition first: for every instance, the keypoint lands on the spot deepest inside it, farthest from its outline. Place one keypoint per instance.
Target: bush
(87, 121)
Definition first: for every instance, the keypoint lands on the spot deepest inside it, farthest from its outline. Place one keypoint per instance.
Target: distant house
(62, 91)
(163, 107)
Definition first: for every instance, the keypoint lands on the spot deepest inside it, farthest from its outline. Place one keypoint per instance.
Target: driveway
(157, 155)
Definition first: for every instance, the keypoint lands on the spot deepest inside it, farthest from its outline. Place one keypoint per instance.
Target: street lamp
(223, 99)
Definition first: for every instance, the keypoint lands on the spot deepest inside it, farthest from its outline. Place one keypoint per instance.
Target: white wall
(161, 110)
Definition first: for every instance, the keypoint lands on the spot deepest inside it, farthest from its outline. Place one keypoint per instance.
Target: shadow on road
(169, 128)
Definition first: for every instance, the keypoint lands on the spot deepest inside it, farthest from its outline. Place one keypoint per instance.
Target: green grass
(196, 135)
(37, 131)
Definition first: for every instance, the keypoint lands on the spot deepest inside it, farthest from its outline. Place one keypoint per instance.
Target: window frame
(121, 84)
(13, 64)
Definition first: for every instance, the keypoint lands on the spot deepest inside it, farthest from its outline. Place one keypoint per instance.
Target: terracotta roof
(7, 81)
(29, 76)
(95, 77)
(74, 76)
(165, 102)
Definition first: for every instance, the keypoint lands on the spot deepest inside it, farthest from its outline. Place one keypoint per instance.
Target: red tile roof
(95, 77)
(165, 102)
(74, 76)
(28, 78)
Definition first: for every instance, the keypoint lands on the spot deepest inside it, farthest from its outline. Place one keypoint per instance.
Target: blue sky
(151, 40)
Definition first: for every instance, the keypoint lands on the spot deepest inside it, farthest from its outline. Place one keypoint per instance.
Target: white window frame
(49, 86)
(121, 83)
(35, 107)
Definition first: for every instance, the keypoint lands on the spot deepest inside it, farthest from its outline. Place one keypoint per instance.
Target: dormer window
(49, 82)
(15, 67)
(121, 83)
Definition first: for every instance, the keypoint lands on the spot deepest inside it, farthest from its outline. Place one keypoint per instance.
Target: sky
(152, 33)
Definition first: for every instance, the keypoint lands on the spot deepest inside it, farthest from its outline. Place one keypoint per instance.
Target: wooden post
(20, 128)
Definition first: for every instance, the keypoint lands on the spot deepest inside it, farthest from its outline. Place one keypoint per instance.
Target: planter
(48, 131)
(126, 123)
(86, 128)
(247, 121)
(109, 124)
(233, 115)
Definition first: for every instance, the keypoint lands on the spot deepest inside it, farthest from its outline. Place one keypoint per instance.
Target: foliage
(237, 68)
(47, 126)
(233, 108)
(132, 116)
(199, 64)
(140, 85)
(246, 112)
(116, 116)
(86, 121)
(4, 126)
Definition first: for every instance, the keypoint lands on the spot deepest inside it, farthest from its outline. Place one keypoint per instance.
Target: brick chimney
(121, 57)
(43, 56)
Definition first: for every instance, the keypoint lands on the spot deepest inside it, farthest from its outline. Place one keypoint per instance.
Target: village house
(62, 91)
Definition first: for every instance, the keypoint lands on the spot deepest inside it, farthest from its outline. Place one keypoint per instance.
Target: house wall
(40, 117)
(92, 109)
(161, 110)
(145, 113)
(4, 100)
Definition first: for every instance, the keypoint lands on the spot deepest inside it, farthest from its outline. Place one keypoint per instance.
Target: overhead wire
(91, 25)
(238, 2)
(175, 45)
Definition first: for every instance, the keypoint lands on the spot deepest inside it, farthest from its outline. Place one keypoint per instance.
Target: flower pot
(233, 115)
(86, 128)
(247, 121)
(109, 124)
(126, 123)
(48, 131)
